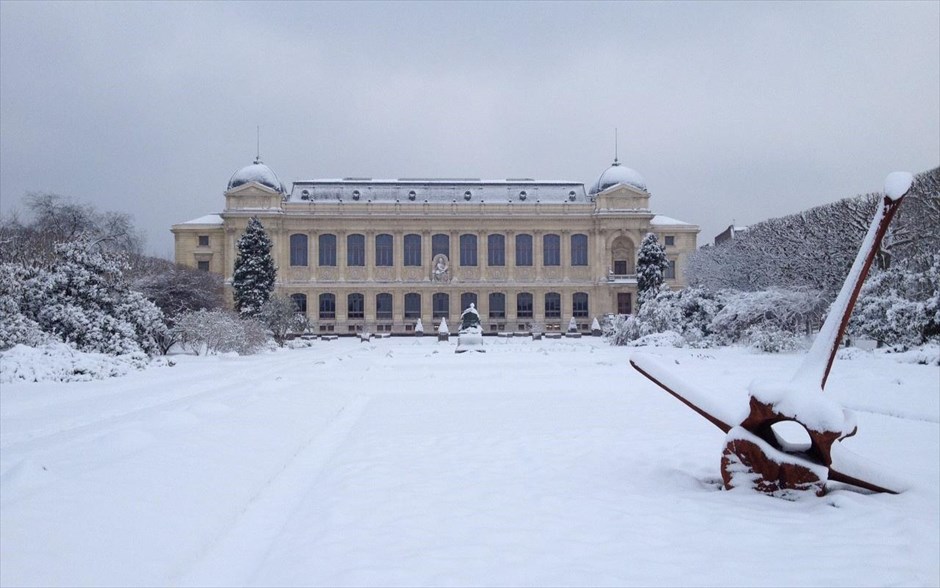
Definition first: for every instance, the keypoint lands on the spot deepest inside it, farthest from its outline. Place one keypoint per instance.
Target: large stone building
(377, 255)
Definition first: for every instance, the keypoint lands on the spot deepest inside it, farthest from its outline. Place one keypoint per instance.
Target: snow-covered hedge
(60, 362)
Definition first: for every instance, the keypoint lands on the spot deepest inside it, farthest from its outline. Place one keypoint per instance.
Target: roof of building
(438, 190)
(209, 219)
(660, 219)
(256, 172)
(618, 174)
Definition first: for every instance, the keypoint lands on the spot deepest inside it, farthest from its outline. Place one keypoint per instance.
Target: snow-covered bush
(220, 331)
(419, 328)
(901, 305)
(60, 362)
(771, 339)
(442, 328)
(621, 329)
(745, 314)
(279, 314)
(82, 299)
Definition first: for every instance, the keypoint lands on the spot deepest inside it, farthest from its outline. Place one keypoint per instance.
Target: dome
(619, 174)
(256, 172)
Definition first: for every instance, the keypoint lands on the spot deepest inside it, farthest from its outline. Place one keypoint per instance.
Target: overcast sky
(729, 110)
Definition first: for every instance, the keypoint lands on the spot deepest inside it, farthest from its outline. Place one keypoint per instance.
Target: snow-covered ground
(399, 462)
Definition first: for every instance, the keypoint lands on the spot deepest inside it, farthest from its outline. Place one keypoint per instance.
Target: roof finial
(258, 157)
(615, 147)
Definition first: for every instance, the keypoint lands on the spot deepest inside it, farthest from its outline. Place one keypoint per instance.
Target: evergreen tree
(650, 265)
(470, 318)
(253, 278)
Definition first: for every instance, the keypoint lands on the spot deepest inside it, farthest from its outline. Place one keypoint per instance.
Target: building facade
(362, 254)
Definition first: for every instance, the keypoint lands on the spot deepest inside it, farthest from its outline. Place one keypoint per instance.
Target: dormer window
(356, 195)
(572, 195)
(523, 195)
(305, 195)
(412, 195)
(467, 195)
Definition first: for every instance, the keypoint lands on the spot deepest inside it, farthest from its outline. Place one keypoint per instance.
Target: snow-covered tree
(254, 273)
(419, 327)
(901, 305)
(442, 328)
(220, 331)
(572, 325)
(279, 314)
(651, 263)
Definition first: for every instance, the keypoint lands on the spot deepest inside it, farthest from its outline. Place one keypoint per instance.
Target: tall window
(298, 249)
(440, 245)
(579, 304)
(300, 302)
(383, 250)
(579, 249)
(355, 250)
(551, 249)
(524, 305)
(355, 306)
(412, 249)
(327, 306)
(670, 273)
(383, 306)
(327, 249)
(497, 305)
(552, 305)
(523, 249)
(468, 249)
(441, 305)
(466, 299)
(412, 306)
(496, 249)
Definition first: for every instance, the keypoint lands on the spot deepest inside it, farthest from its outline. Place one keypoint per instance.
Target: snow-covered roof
(420, 190)
(256, 172)
(209, 219)
(619, 174)
(660, 219)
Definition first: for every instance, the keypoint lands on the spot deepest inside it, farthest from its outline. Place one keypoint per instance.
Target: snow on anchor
(787, 440)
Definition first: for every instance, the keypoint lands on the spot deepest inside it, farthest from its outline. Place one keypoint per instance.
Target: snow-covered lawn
(399, 462)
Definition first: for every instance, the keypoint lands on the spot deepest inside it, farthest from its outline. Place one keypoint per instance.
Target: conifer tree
(254, 275)
(650, 265)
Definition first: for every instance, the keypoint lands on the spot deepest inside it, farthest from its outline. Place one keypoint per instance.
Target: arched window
(383, 250)
(466, 299)
(412, 305)
(497, 305)
(298, 249)
(496, 249)
(327, 249)
(383, 306)
(551, 249)
(552, 305)
(327, 306)
(579, 304)
(413, 249)
(440, 303)
(579, 249)
(300, 302)
(524, 305)
(355, 306)
(468, 249)
(440, 245)
(523, 249)
(355, 250)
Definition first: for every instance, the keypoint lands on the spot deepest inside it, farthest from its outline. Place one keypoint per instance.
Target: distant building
(370, 254)
(730, 234)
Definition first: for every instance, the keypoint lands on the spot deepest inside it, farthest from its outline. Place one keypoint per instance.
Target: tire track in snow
(95, 427)
(234, 556)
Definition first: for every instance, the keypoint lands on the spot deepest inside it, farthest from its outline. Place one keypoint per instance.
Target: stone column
(537, 257)
(510, 256)
(565, 254)
(341, 255)
(398, 253)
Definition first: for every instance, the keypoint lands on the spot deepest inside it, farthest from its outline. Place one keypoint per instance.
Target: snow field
(398, 462)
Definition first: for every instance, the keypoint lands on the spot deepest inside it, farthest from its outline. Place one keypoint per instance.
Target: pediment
(623, 190)
(252, 189)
